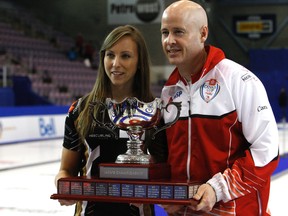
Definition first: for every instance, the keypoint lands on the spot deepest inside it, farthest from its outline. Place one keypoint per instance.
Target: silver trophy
(135, 116)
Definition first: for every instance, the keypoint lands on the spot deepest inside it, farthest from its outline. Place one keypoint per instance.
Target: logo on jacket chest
(209, 90)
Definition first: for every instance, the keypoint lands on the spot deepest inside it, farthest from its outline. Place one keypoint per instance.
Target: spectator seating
(38, 55)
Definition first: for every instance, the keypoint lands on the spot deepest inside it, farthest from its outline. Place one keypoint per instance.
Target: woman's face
(120, 62)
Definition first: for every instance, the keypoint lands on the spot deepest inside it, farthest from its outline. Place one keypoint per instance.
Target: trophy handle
(178, 106)
(101, 123)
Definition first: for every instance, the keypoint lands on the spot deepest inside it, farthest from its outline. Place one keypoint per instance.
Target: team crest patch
(209, 90)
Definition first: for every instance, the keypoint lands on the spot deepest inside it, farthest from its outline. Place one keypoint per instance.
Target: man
(226, 136)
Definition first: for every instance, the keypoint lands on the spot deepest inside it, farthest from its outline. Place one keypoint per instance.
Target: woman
(124, 71)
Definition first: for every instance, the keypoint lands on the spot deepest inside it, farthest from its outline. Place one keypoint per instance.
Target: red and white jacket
(226, 135)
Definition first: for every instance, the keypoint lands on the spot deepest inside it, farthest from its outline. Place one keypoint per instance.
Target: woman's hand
(66, 202)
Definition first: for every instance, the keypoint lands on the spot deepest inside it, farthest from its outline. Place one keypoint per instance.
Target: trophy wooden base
(134, 171)
(125, 191)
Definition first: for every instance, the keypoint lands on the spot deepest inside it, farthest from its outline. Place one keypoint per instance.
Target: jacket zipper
(189, 133)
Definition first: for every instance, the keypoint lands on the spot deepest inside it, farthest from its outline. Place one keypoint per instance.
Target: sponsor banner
(134, 11)
(29, 128)
(254, 26)
(253, 2)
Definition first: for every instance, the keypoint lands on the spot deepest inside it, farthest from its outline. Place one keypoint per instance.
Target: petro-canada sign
(134, 11)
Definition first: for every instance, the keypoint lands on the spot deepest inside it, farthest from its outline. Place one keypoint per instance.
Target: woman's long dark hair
(102, 87)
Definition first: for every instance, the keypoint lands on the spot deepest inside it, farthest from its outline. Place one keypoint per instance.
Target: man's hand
(204, 199)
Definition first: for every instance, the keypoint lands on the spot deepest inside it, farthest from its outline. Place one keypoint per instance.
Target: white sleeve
(257, 118)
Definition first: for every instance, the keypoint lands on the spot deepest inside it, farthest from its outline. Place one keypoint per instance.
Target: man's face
(181, 38)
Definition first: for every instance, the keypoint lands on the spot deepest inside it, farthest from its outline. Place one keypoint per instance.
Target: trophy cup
(134, 177)
(135, 116)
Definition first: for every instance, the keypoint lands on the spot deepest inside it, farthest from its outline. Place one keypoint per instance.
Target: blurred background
(49, 58)
(51, 47)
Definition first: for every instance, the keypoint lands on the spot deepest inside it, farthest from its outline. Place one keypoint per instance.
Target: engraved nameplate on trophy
(134, 171)
(158, 191)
